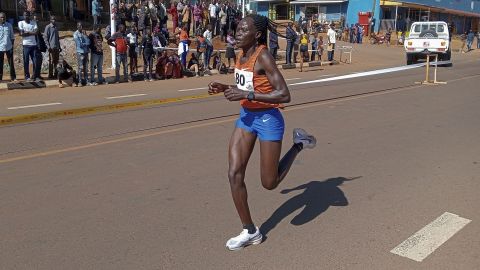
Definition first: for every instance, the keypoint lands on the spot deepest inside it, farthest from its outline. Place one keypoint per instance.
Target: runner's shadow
(316, 198)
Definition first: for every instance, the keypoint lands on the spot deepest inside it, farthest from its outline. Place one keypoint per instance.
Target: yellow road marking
(135, 137)
(8, 120)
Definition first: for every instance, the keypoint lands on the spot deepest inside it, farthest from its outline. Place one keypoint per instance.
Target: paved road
(147, 188)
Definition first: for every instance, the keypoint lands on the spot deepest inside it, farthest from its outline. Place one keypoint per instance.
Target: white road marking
(126, 96)
(424, 242)
(192, 89)
(363, 74)
(33, 106)
(291, 79)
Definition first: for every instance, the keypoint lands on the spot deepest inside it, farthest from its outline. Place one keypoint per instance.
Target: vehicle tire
(448, 57)
(410, 59)
(428, 34)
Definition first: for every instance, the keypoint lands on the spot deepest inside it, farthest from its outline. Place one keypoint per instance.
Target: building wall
(461, 5)
(333, 11)
(262, 8)
(356, 6)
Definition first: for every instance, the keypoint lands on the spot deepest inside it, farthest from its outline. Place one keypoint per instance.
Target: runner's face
(246, 34)
(2, 19)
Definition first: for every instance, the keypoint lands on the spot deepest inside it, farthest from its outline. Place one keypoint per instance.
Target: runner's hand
(216, 87)
(234, 94)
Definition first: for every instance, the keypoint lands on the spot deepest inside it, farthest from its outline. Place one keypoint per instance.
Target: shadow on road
(317, 197)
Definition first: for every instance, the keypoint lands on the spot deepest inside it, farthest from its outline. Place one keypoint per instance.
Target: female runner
(261, 90)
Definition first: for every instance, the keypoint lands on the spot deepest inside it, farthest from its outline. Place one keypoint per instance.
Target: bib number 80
(240, 79)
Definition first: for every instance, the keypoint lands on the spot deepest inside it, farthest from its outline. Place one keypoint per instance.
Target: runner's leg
(240, 149)
(271, 170)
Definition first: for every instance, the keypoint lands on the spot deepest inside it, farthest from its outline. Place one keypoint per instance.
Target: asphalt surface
(147, 188)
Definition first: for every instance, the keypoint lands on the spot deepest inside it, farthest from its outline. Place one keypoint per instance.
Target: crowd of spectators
(140, 31)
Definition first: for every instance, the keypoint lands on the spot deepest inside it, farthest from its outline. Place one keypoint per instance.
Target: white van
(428, 38)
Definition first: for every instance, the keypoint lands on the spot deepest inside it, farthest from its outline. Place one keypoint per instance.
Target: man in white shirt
(28, 30)
(212, 9)
(331, 39)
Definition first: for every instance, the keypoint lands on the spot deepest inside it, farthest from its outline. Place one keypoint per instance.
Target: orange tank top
(247, 80)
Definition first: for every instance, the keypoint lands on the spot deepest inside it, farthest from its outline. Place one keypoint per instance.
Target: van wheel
(411, 59)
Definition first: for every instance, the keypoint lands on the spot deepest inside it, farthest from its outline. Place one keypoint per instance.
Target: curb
(17, 119)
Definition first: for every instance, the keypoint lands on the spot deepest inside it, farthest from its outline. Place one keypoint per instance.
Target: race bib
(244, 79)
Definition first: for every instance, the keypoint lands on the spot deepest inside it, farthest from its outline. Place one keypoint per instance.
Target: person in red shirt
(120, 42)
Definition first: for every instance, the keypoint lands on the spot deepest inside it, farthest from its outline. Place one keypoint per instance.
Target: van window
(417, 28)
(440, 28)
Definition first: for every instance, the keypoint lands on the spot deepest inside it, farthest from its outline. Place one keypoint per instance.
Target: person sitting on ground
(201, 46)
(160, 66)
(65, 72)
(193, 65)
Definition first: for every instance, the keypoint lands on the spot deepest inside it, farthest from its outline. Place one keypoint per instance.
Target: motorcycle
(376, 39)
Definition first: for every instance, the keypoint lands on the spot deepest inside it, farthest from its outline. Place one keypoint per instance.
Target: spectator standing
(359, 34)
(180, 7)
(162, 14)
(296, 44)
(463, 38)
(143, 17)
(314, 43)
(273, 42)
(206, 15)
(478, 40)
(82, 46)
(352, 33)
(121, 14)
(212, 9)
(232, 14)
(197, 16)
(6, 46)
(147, 48)
(120, 42)
(28, 31)
(208, 41)
(96, 55)
(96, 9)
(291, 36)
(173, 11)
(388, 37)
(222, 15)
(183, 45)
(52, 41)
(303, 49)
(231, 42)
(320, 47)
(470, 38)
(40, 49)
(331, 40)
(153, 12)
(132, 14)
(186, 20)
(133, 50)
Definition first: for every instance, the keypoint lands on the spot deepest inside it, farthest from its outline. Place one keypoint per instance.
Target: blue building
(394, 14)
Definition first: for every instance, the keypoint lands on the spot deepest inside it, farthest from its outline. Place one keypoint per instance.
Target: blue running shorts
(268, 125)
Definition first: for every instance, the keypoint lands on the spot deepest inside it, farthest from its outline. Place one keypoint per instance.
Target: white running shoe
(301, 136)
(244, 239)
